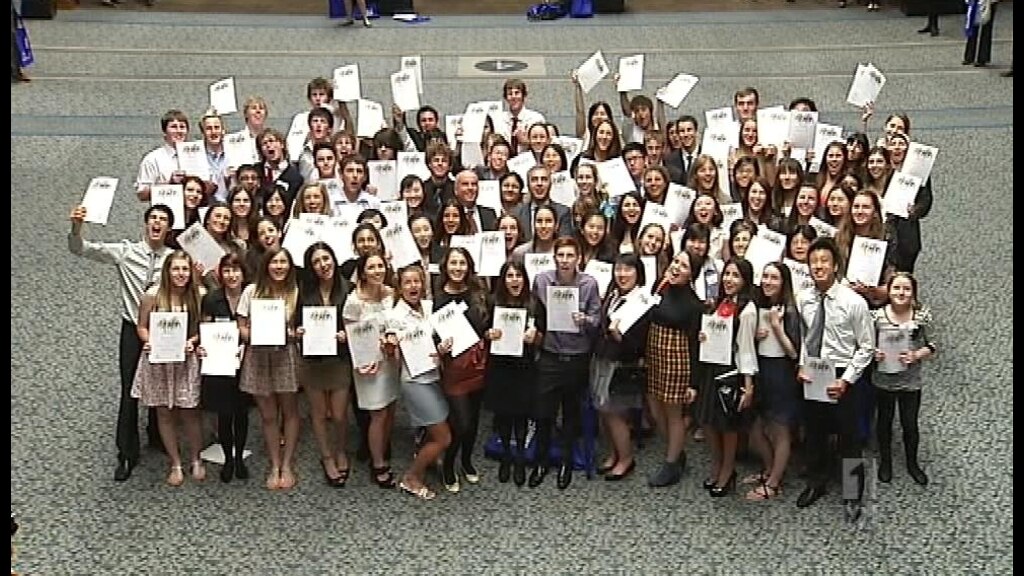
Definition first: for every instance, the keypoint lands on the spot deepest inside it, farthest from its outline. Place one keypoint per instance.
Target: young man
(138, 266)
(160, 166)
(644, 117)
(353, 183)
(686, 127)
(275, 167)
(467, 188)
(539, 183)
(413, 139)
(564, 364)
(745, 102)
(838, 329)
(439, 188)
(319, 121)
(519, 117)
(213, 137)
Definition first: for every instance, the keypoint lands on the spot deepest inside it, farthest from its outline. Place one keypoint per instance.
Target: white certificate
(919, 161)
(638, 302)
(240, 148)
(571, 145)
(347, 87)
(473, 122)
(563, 302)
(220, 342)
(418, 351)
(650, 264)
(719, 139)
(302, 233)
(765, 247)
(320, 331)
(655, 213)
(394, 211)
(801, 275)
(616, 176)
(452, 123)
(363, 339)
(563, 188)
(492, 253)
(678, 200)
(602, 272)
(537, 263)
(338, 235)
(769, 346)
(772, 127)
(489, 195)
(892, 342)
(822, 374)
(98, 198)
(718, 116)
(172, 196)
(717, 345)
(469, 242)
(400, 244)
(267, 322)
(900, 194)
(450, 322)
(414, 64)
(192, 159)
(512, 323)
(591, 72)
(867, 83)
(403, 91)
(472, 155)
(370, 120)
(867, 258)
(824, 134)
(414, 163)
(631, 73)
(677, 90)
(167, 334)
(384, 176)
(297, 135)
(730, 213)
(198, 243)
(822, 228)
(802, 126)
(521, 164)
(222, 96)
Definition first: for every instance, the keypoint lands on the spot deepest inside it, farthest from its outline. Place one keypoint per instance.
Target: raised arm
(581, 106)
(107, 253)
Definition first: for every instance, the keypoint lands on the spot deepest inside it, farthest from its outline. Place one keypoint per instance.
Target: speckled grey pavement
(104, 78)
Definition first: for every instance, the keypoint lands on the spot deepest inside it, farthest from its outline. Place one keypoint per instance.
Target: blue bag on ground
(547, 11)
(582, 9)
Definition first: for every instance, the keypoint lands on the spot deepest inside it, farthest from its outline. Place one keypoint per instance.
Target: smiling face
(625, 277)
(862, 210)
(687, 134)
(544, 225)
(823, 268)
(249, 180)
(678, 272)
(630, 210)
(325, 163)
(655, 184)
(538, 137)
(798, 246)
(897, 150)
(704, 209)
(771, 282)
(739, 242)
(457, 267)
(511, 191)
(422, 233)
(697, 246)
(748, 132)
(594, 230)
(551, 160)
(757, 197)
(744, 174)
(835, 159)
(413, 194)
(652, 241)
(514, 282)
(788, 179)
(540, 184)
(241, 205)
(181, 272)
(343, 146)
(279, 267)
(365, 242)
(451, 218)
(901, 292)
(707, 176)
(603, 136)
(176, 131)
(467, 188)
(838, 204)
(375, 270)
(213, 132)
(498, 158)
(256, 114)
(323, 265)
(313, 201)
(515, 99)
(193, 193)
(877, 165)
(806, 201)
(231, 277)
(895, 125)
(732, 280)
(218, 221)
(274, 205)
(586, 179)
(267, 234)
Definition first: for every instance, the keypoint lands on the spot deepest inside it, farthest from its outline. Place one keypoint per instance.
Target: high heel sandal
(383, 476)
(334, 482)
(176, 477)
(763, 492)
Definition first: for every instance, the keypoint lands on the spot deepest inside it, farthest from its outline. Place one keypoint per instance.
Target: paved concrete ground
(102, 81)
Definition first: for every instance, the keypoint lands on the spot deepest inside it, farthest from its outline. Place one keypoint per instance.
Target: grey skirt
(425, 403)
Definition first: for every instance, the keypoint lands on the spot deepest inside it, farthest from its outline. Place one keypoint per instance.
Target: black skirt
(510, 385)
(221, 394)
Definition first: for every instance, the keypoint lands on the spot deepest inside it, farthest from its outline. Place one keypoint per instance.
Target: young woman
(877, 171)
(173, 388)
(798, 242)
(605, 145)
(744, 171)
(804, 208)
(221, 394)
(193, 188)
(757, 204)
(588, 183)
(463, 375)
(788, 178)
(706, 270)
(707, 211)
(618, 350)
(626, 225)
(704, 179)
(511, 186)
(721, 423)
(327, 379)
(778, 395)
(424, 401)
(243, 215)
(857, 146)
(653, 242)
(415, 201)
(366, 240)
(592, 236)
(545, 229)
(552, 157)
(218, 224)
(451, 221)
(833, 168)
(670, 356)
(266, 235)
(903, 325)
(275, 207)
(908, 230)
(866, 220)
(599, 112)
(377, 383)
(423, 234)
(268, 372)
(312, 199)
(836, 208)
(509, 226)
(509, 379)
(740, 234)
(656, 181)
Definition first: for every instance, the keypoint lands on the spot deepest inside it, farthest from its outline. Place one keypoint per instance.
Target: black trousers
(130, 351)
(823, 419)
(979, 46)
(562, 381)
(909, 403)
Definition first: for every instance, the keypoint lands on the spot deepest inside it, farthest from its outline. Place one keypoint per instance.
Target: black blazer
(488, 219)
(291, 179)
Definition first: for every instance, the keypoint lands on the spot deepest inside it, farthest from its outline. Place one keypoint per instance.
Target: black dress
(221, 393)
(509, 383)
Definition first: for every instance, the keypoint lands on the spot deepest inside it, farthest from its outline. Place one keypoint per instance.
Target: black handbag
(729, 394)
(628, 381)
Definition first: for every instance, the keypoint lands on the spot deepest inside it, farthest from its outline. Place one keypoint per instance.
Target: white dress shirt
(524, 119)
(138, 267)
(848, 339)
(157, 167)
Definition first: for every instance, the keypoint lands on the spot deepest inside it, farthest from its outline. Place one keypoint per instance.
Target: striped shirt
(138, 267)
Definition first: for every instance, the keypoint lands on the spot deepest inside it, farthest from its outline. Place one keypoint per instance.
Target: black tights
(505, 425)
(464, 418)
(910, 405)
(232, 431)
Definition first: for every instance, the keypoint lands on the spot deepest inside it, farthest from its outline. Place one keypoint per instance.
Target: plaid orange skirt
(668, 364)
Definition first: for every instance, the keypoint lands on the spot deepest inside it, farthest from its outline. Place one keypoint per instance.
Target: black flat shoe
(241, 472)
(564, 476)
(810, 495)
(227, 471)
(917, 474)
(608, 468)
(925, 30)
(519, 474)
(609, 477)
(885, 472)
(505, 471)
(709, 483)
(538, 475)
(124, 470)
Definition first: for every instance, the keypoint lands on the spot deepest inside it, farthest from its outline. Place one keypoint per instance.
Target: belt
(564, 357)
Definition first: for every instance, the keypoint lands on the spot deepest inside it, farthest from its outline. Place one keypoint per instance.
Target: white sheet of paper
(717, 345)
(492, 253)
(98, 199)
(451, 322)
(512, 323)
(655, 213)
(414, 64)
(472, 155)
(822, 228)
(452, 123)
(919, 161)
(802, 126)
(772, 127)
(172, 196)
(768, 346)
(601, 272)
(719, 139)
(717, 116)
(400, 244)
(298, 132)
(473, 122)
(867, 258)
(320, 331)
(892, 342)
(562, 303)
(502, 123)
(522, 163)
(338, 236)
(572, 146)
(822, 374)
(766, 246)
(403, 91)
(167, 334)
(592, 71)
(677, 240)
(192, 159)
(303, 233)
(393, 210)
(537, 263)
(198, 243)
(384, 176)
(677, 89)
(631, 73)
(563, 188)
(650, 264)
(824, 134)
(638, 302)
(222, 96)
(678, 200)
(240, 148)
(267, 322)
(489, 195)
(900, 194)
(471, 243)
(220, 342)
(371, 118)
(418, 351)
(866, 85)
(730, 213)
(615, 176)
(363, 339)
(801, 275)
(414, 163)
(347, 85)
(214, 454)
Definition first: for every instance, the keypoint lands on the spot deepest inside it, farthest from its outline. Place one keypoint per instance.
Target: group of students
(685, 276)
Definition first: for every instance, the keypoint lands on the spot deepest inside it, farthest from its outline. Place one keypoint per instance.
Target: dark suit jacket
(524, 212)
(291, 179)
(488, 219)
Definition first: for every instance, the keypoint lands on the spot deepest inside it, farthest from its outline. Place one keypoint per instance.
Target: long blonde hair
(191, 297)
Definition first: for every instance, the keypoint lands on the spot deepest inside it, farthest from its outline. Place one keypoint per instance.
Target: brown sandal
(764, 492)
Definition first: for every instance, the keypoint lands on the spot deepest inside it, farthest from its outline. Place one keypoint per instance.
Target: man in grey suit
(467, 188)
(539, 183)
